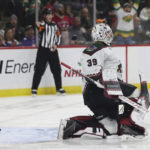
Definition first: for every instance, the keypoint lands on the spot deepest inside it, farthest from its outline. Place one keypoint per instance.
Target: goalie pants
(100, 105)
(43, 58)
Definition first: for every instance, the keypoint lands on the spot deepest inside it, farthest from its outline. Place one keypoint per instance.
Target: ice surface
(29, 123)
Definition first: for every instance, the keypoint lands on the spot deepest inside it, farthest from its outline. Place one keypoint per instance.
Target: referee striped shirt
(49, 34)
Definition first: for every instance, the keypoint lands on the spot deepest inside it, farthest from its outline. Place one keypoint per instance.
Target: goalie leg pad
(143, 100)
(131, 130)
(128, 127)
(92, 122)
(135, 94)
(110, 125)
(79, 126)
(127, 89)
(144, 95)
(131, 123)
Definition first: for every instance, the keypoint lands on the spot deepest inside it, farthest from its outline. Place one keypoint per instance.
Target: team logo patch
(91, 48)
(128, 18)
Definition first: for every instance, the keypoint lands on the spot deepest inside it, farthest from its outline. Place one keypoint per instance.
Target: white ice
(29, 123)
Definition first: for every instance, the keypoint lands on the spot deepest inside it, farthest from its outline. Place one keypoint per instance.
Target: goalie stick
(123, 98)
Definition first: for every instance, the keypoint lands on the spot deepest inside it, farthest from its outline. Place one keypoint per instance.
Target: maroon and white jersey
(98, 57)
(98, 60)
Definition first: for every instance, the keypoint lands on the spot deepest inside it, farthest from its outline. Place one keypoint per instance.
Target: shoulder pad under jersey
(91, 49)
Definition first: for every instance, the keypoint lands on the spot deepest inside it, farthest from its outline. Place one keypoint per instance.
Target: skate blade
(61, 94)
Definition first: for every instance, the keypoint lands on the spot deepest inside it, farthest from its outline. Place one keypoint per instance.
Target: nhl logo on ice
(1, 65)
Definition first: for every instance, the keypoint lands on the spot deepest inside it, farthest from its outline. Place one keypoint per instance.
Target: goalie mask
(102, 32)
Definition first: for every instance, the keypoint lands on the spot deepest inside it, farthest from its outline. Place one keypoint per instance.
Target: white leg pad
(138, 116)
(110, 125)
(135, 94)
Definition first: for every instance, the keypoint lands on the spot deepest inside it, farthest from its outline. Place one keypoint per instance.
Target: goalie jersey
(97, 58)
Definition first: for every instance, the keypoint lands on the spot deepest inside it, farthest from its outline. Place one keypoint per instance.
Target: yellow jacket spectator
(125, 21)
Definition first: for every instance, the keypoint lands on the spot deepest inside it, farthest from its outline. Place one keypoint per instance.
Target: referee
(47, 52)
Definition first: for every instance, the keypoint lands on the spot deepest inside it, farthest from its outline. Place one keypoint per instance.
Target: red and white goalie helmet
(102, 32)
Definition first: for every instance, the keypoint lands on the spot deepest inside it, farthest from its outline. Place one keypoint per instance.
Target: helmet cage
(102, 32)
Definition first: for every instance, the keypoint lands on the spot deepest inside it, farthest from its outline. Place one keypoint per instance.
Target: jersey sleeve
(111, 60)
(57, 36)
(41, 28)
(136, 5)
(116, 5)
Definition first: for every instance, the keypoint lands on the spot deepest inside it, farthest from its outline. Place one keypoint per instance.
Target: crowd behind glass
(74, 18)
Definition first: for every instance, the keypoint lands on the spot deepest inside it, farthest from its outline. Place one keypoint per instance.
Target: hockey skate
(34, 92)
(61, 92)
(67, 128)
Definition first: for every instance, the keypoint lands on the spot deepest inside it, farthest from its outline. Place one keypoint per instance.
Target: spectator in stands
(105, 11)
(55, 4)
(139, 32)
(29, 8)
(76, 32)
(83, 3)
(86, 22)
(16, 7)
(29, 39)
(47, 5)
(10, 41)
(85, 19)
(63, 22)
(2, 27)
(18, 30)
(90, 4)
(76, 5)
(68, 12)
(145, 21)
(1, 39)
(125, 21)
